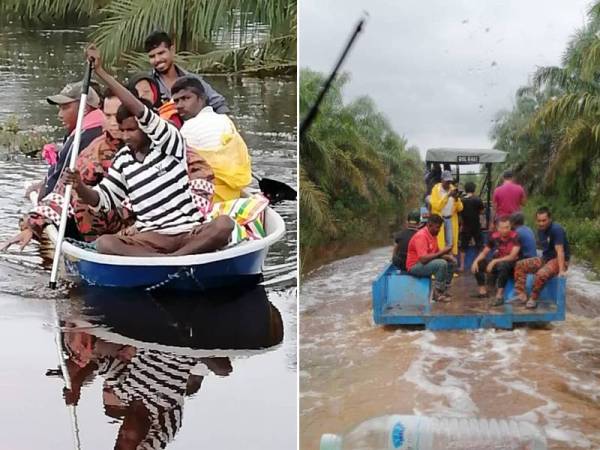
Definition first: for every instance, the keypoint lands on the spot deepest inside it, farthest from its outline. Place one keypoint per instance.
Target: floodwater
(353, 370)
(185, 371)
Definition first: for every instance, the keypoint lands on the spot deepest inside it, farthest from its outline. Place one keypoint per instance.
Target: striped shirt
(159, 380)
(157, 188)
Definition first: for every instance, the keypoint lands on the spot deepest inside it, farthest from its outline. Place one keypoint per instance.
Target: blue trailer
(401, 299)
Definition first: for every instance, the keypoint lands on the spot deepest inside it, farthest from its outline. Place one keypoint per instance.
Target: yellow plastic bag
(231, 165)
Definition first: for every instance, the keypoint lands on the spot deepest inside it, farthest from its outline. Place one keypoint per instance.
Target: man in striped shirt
(150, 173)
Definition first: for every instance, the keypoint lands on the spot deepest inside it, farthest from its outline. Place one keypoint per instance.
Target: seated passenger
(424, 258)
(526, 236)
(150, 172)
(214, 137)
(145, 86)
(504, 246)
(554, 260)
(403, 238)
(68, 106)
(93, 163)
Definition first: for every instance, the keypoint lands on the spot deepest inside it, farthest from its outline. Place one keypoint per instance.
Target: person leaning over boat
(67, 101)
(505, 246)
(150, 172)
(403, 238)
(424, 258)
(446, 203)
(93, 163)
(161, 53)
(214, 137)
(554, 261)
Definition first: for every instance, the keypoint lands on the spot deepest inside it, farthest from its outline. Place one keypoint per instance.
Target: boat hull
(243, 269)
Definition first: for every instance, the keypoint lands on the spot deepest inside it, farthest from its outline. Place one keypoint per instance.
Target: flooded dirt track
(352, 369)
(178, 372)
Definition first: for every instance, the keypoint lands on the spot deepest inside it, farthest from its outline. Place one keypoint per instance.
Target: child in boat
(144, 86)
(150, 172)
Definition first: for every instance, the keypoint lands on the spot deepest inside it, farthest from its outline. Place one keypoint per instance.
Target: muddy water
(352, 370)
(183, 371)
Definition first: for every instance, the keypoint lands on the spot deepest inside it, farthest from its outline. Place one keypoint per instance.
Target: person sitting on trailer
(471, 225)
(504, 246)
(150, 172)
(161, 53)
(424, 258)
(554, 261)
(214, 137)
(403, 238)
(93, 163)
(526, 236)
(446, 202)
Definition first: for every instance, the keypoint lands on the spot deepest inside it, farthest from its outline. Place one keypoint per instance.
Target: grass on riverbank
(15, 140)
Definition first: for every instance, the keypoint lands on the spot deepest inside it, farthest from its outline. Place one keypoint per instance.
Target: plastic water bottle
(431, 433)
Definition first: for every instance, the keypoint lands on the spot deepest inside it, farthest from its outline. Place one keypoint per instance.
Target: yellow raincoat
(231, 165)
(438, 202)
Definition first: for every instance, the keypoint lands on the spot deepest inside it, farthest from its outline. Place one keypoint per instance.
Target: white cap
(331, 442)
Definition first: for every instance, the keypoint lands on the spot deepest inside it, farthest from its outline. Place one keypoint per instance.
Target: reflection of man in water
(146, 388)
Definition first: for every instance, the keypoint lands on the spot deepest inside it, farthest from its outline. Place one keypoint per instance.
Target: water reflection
(153, 353)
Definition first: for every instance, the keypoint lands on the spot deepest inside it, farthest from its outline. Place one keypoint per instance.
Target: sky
(439, 70)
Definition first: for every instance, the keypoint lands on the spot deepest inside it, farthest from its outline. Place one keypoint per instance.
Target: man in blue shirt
(554, 261)
(526, 236)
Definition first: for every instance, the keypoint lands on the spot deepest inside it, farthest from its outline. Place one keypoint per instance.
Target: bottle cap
(331, 442)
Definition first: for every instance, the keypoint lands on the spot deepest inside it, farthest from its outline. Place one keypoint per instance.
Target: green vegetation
(357, 176)
(552, 135)
(261, 33)
(13, 139)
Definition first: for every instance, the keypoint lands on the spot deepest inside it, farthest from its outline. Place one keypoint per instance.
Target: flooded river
(353, 370)
(201, 371)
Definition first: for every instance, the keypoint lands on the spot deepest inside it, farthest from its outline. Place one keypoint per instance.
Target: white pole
(66, 378)
(67, 196)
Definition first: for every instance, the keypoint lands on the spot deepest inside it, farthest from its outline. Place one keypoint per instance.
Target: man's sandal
(531, 304)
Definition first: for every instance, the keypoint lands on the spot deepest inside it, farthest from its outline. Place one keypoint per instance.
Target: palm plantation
(552, 135)
(261, 34)
(357, 176)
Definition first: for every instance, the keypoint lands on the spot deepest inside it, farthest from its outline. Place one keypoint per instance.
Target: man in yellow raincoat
(446, 202)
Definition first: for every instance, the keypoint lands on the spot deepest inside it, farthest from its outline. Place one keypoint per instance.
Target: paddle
(315, 108)
(275, 191)
(68, 187)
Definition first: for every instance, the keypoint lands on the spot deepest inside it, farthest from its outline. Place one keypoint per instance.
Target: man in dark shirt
(403, 238)
(471, 226)
(554, 261)
(504, 245)
(526, 236)
(161, 53)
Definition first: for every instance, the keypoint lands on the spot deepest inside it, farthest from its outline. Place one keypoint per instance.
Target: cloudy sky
(440, 70)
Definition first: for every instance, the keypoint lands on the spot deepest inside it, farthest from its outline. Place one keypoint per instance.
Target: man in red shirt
(504, 245)
(424, 258)
(509, 197)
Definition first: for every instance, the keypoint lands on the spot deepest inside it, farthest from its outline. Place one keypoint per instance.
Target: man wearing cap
(403, 238)
(68, 105)
(509, 197)
(446, 203)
